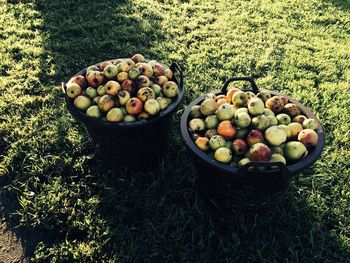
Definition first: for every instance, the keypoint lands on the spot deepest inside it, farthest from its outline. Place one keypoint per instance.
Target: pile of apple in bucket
(241, 127)
(123, 90)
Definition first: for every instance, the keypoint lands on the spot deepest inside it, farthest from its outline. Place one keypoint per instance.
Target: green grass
(66, 208)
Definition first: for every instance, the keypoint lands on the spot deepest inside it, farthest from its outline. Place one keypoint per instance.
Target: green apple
(170, 89)
(92, 68)
(242, 120)
(240, 98)
(196, 111)
(101, 90)
(82, 102)
(216, 142)
(275, 157)
(91, 92)
(73, 90)
(239, 110)
(283, 119)
(93, 111)
(163, 102)
(256, 106)
(156, 88)
(225, 112)
(152, 107)
(123, 66)
(223, 155)
(294, 151)
(260, 122)
(268, 112)
(129, 118)
(264, 95)
(115, 115)
(123, 97)
(210, 96)
(310, 124)
(250, 94)
(168, 73)
(208, 107)
(134, 73)
(96, 100)
(196, 125)
(111, 71)
(273, 120)
(275, 135)
(243, 162)
(211, 122)
(277, 149)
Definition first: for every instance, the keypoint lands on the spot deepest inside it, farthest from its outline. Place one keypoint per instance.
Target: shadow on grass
(344, 4)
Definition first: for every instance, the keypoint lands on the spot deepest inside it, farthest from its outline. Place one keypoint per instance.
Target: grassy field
(66, 208)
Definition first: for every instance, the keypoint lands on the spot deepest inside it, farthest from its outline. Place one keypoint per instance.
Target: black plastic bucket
(137, 145)
(220, 181)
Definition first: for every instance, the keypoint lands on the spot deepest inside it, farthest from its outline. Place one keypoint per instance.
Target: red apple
(275, 104)
(104, 64)
(134, 106)
(80, 80)
(308, 137)
(260, 152)
(239, 147)
(129, 86)
(95, 78)
(255, 136)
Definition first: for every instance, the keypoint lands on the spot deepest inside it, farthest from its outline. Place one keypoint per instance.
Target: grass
(67, 208)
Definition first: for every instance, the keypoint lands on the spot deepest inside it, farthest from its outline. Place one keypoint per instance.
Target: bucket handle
(62, 87)
(279, 167)
(250, 79)
(176, 68)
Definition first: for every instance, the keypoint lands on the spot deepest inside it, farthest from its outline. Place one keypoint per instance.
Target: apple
(210, 96)
(276, 157)
(160, 80)
(91, 92)
(223, 155)
(112, 87)
(277, 149)
(239, 98)
(73, 90)
(82, 102)
(106, 103)
(239, 147)
(170, 89)
(93, 111)
(283, 118)
(275, 135)
(275, 104)
(134, 73)
(259, 152)
(129, 118)
(291, 109)
(240, 110)
(286, 130)
(255, 136)
(268, 112)
(111, 71)
(208, 107)
(134, 106)
(294, 128)
(103, 65)
(196, 111)
(123, 66)
(117, 61)
(211, 121)
(122, 76)
(115, 115)
(222, 101)
(308, 137)
(152, 107)
(256, 106)
(143, 115)
(272, 120)
(80, 80)
(230, 93)
(157, 89)
(96, 100)
(284, 98)
(243, 162)
(299, 118)
(242, 120)
(226, 130)
(142, 81)
(196, 125)
(163, 102)
(152, 62)
(242, 133)
(294, 151)
(261, 122)
(92, 68)
(168, 74)
(95, 78)
(123, 97)
(264, 95)
(210, 133)
(158, 69)
(202, 143)
(216, 142)
(131, 64)
(138, 58)
(145, 94)
(146, 69)
(250, 95)
(101, 90)
(129, 86)
(310, 124)
(225, 112)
